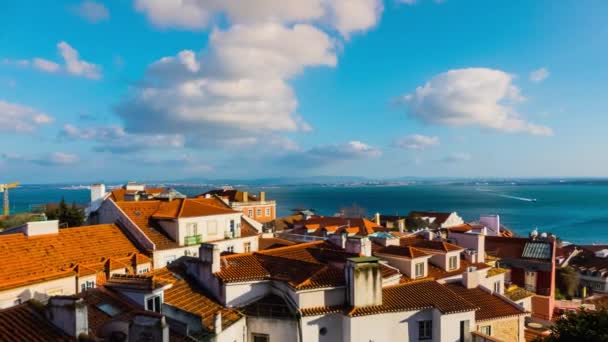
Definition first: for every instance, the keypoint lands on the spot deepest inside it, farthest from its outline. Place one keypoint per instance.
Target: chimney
(245, 196)
(98, 194)
(471, 256)
(338, 240)
(363, 282)
(401, 225)
(150, 327)
(377, 218)
(210, 254)
(262, 196)
(470, 278)
(217, 322)
(428, 235)
(359, 245)
(492, 222)
(69, 314)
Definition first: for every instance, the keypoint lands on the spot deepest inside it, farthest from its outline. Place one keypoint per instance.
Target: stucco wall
(507, 330)
(278, 330)
(308, 299)
(331, 325)
(449, 327)
(237, 332)
(39, 291)
(398, 326)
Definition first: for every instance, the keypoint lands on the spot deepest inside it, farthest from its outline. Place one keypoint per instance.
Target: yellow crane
(4, 188)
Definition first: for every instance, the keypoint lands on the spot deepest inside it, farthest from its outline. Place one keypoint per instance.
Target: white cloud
(45, 65)
(346, 16)
(539, 75)
(471, 97)
(327, 154)
(92, 11)
(237, 90)
(74, 65)
(17, 118)
(114, 139)
(457, 158)
(417, 142)
(51, 159)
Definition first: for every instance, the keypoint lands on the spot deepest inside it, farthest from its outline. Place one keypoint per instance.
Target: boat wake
(525, 199)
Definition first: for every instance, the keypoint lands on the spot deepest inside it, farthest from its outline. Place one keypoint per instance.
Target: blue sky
(150, 89)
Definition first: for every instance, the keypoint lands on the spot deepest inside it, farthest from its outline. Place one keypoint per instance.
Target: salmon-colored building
(252, 206)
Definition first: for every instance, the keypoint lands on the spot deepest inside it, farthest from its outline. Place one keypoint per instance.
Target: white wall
(109, 212)
(237, 332)
(279, 330)
(329, 297)
(449, 325)
(239, 294)
(442, 260)
(397, 326)
(221, 223)
(471, 241)
(405, 265)
(39, 291)
(312, 325)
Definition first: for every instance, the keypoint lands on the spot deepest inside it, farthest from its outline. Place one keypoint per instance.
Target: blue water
(575, 212)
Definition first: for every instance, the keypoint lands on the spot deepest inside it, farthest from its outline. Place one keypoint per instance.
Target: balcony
(193, 240)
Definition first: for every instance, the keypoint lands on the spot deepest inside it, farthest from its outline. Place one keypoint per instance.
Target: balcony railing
(193, 240)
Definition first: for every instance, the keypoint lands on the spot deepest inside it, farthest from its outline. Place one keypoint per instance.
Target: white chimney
(492, 222)
(377, 218)
(217, 322)
(363, 282)
(69, 314)
(210, 254)
(401, 225)
(470, 278)
(338, 240)
(98, 194)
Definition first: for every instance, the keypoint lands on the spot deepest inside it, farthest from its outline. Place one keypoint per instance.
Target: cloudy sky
(177, 89)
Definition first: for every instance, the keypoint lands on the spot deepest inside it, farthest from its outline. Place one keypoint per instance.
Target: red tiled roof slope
(490, 306)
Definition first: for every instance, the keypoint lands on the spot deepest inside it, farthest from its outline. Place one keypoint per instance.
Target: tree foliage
(582, 326)
(413, 223)
(67, 216)
(568, 281)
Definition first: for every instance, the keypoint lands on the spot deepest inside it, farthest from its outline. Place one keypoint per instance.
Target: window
(323, 331)
(425, 330)
(191, 229)
(464, 330)
(90, 284)
(230, 249)
(260, 337)
(497, 286)
(212, 227)
(486, 330)
(143, 270)
(419, 270)
(153, 304)
(453, 263)
(247, 247)
(250, 212)
(258, 212)
(268, 212)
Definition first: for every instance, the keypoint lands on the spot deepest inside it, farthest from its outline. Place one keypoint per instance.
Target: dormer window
(419, 270)
(453, 263)
(153, 304)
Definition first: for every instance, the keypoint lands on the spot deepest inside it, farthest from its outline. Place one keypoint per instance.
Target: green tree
(568, 281)
(583, 326)
(67, 216)
(413, 223)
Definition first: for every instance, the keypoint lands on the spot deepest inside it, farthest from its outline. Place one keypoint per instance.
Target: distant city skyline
(171, 90)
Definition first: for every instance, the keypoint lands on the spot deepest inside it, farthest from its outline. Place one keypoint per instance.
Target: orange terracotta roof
(430, 246)
(462, 228)
(331, 224)
(190, 207)
(140, 213)
(490, 306)
(322, 310)
(119, 194)
(39, 258)
(270, 243)
(418, 295)
(26, 323)
(402, 251)
(304, 266)
(247, 230)
(185, 296)
(136, 282)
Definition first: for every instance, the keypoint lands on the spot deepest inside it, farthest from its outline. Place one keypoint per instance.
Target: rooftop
(490, 306)
(26, 323)
(303, 266)
(417, 295)
(319, 225)
(43, 257)
(518, 248)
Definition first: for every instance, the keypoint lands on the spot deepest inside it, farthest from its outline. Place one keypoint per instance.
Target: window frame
(425, 330)
(416, 275)
(258, 212)
(486, 327)
(155, 305)
(255, 337)
(268, 212)
(455, 259)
